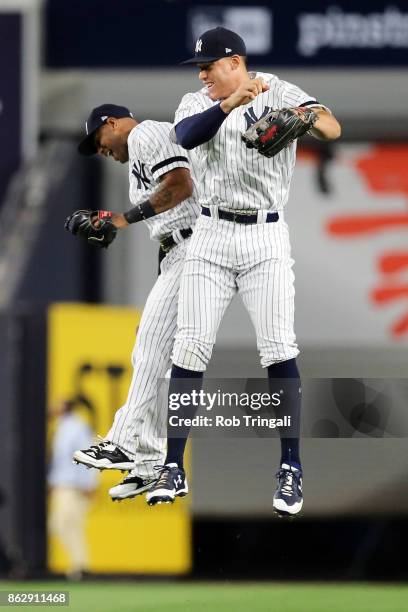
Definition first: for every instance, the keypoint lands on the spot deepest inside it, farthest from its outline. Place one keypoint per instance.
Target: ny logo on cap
(198, 46)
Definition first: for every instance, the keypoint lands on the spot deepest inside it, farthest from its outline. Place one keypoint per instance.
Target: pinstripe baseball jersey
(229, 174)
(152, 154)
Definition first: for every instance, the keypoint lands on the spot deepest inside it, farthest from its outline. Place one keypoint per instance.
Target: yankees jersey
(152, 154)
(229, 174)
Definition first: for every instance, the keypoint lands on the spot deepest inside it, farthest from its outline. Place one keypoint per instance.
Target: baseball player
(159, 182)
(240, 242)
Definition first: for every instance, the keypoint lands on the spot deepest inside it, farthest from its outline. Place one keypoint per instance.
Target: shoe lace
(287, 476)
(101, 444)
(164, 472)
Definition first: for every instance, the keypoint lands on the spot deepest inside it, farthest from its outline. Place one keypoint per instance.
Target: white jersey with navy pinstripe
(226, 257)
(152, 154)
(232, 176)
(136, 425)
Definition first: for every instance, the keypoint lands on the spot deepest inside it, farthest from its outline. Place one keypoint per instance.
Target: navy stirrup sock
(289, 446)
(182, 381)
(284, 369)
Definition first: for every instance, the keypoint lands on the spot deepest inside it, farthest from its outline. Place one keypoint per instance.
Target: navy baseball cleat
(172, 483)
(131, 486)
(288, 498)
(104, 456)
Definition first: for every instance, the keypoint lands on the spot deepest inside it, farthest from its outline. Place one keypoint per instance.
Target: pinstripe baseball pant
(224, 258)
(138, 421)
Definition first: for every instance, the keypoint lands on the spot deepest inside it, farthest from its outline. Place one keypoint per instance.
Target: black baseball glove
(278, 129)
(82, 223)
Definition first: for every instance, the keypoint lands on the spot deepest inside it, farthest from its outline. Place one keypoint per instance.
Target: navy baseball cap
(98, 117)
(215, 44)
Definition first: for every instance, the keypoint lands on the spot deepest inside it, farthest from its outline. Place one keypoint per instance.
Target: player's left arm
(326, 127)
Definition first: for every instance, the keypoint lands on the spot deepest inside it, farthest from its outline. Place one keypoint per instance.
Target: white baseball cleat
(288, 498)
(130, 487)
(104, 456)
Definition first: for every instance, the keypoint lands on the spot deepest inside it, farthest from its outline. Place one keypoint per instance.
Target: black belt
(168, 242)
(271, 217)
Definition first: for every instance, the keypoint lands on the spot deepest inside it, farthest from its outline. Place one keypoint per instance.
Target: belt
(168, 242)
(241, 217)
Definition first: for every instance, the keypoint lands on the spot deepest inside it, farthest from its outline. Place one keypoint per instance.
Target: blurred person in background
(71, 489)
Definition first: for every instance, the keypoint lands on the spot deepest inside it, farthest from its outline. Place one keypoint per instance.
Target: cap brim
(201, 60)
(87, 146)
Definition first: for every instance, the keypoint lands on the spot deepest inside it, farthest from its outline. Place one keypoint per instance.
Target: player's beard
(124, 155)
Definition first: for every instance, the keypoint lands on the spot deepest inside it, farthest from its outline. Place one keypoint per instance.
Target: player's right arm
(194, 129)
(245, 93)
(174, 187)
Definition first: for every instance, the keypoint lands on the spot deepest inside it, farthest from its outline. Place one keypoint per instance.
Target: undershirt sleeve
(197, 129)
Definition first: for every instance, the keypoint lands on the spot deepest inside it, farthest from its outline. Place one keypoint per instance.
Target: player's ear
(112, 122)
(235, 62)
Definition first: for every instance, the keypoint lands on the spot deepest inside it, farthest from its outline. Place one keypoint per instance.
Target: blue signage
(102, 33)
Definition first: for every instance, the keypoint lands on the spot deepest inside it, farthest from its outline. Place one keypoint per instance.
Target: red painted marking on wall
(385, 171)
(366, 224)
(400, 328)
(387, 294)
(393, 262)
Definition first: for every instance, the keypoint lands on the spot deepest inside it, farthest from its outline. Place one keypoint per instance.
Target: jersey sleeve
(159, 153)
(188, 106)
(293, 96)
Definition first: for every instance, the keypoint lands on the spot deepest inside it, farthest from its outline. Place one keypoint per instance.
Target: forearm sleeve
(197, 129)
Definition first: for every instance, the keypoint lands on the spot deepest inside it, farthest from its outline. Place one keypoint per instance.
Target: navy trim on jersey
(309, 102)
(167, 162)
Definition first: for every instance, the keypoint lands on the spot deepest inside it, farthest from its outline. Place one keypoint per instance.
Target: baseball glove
(278, 129)
(82, 223)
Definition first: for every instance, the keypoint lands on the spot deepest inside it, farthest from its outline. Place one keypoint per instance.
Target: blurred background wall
(347, 214)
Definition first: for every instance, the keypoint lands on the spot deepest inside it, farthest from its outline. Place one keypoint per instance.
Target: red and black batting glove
(93, 225)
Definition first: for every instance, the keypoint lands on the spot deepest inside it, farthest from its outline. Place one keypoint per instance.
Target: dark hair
(80, 401)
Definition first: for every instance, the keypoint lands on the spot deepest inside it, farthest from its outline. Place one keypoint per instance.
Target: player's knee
(192, 355)
(278, 353)
(152, 355)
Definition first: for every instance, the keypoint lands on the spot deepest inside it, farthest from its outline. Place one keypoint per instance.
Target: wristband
(103, 214)
(140, 212)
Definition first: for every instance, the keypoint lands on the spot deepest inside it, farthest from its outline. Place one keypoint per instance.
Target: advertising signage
(320, 33)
